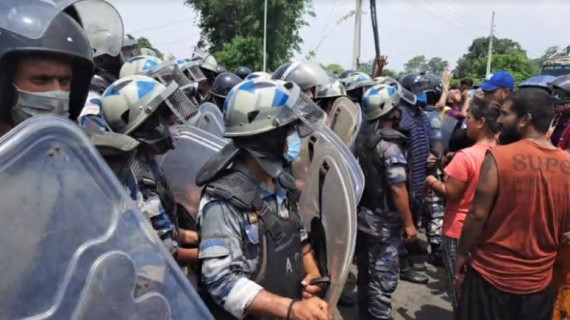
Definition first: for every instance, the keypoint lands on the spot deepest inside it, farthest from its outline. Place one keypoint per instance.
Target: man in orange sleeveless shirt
(515, 225)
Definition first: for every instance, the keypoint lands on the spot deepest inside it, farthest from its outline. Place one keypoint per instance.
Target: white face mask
(31, 104)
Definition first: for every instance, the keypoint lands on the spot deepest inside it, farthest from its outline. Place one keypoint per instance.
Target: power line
(438, 17)
(162, 26)
(329, 18)
(467, 18)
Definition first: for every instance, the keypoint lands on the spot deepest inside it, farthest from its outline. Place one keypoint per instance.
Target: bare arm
(266, 303)
(381, 62)
(485, 196)
(451, 189)
(187, 256)
(465, 106)
(188, 237)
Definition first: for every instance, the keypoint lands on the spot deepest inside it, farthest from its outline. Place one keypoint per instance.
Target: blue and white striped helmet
(378, 101)
(258, 106)
(139, 65)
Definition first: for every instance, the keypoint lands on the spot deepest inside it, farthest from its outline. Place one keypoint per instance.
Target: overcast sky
(443, 28)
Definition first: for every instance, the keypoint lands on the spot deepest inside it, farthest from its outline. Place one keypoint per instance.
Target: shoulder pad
(236, 188)
(392, 136)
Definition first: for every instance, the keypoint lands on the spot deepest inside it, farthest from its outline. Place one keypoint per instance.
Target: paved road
(419, 302)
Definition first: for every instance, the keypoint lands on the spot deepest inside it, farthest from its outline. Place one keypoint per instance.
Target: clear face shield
(405, 94)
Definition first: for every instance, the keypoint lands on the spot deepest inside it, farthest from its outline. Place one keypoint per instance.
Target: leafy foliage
(417, 64)
(334, 68)
(223, 20)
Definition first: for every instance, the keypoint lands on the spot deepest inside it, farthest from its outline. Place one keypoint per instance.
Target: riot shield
(211, 119)
(447, 127)
(328, 206)
(345, 119)
(74, 245)
(193, 149)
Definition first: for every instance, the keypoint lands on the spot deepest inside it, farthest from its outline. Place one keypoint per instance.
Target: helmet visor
(300, 107)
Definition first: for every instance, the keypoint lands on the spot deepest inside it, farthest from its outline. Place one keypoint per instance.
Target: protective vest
(149, 176)
(280, 265)
(375, 187)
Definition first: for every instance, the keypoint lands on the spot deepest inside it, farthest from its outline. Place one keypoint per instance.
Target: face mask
(31, 104)
(293, 147)
(422, 99)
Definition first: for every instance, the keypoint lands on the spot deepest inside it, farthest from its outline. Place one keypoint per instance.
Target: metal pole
(490, 55)
(265, 38)
(374, 19)
(357, 28)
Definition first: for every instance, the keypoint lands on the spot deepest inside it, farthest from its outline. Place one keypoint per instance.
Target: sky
(434, 28)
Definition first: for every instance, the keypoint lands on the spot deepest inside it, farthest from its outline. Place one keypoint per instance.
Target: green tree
(366, 67)
(334, 68)
(479, 49)
(144, 42)
(416, 64)
(390, 73)
(437, 65)
(241, 51)
(223, 20)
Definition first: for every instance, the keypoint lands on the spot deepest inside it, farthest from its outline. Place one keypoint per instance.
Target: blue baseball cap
(499, 80)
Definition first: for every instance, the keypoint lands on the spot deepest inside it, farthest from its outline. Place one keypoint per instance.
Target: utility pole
(490, 55)
(265, 38)
(357, 29)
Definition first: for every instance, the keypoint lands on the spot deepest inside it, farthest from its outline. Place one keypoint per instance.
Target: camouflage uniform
(433, 210)
(380, 237)
(434, 204)
(229, 249)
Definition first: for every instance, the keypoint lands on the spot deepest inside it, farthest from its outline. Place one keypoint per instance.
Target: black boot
(435, 257)
(349, 295)
(407, 273)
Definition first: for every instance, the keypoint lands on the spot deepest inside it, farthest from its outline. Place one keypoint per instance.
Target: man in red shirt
(515, 225)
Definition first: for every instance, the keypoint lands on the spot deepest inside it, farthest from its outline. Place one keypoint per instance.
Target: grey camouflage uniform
(229, 249)
(379, 239)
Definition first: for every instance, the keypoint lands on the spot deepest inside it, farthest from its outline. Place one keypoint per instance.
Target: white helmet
(333, 89)
(358, 80)
(129, 101)
(379, 101)
(139, 65)
(209, 63)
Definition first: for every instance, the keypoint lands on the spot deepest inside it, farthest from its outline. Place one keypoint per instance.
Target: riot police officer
(222, 86)
(46, 69)
(254, 250)
(243, 72)
(308, 76)
(384, 207)
(141, 107)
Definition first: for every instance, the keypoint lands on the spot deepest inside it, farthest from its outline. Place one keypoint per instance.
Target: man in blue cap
(498, 86)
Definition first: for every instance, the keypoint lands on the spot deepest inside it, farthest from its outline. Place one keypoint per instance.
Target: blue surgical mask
(422, 98)
(293, 147)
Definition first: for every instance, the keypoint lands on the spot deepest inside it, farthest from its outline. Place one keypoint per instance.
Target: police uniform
(434, 204)
(380, 226)
(158, 202)
(250, 239)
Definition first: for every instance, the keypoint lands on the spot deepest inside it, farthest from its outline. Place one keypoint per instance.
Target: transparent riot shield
(74, 245)
(345, 119)
(193, 149)
(211, 119)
